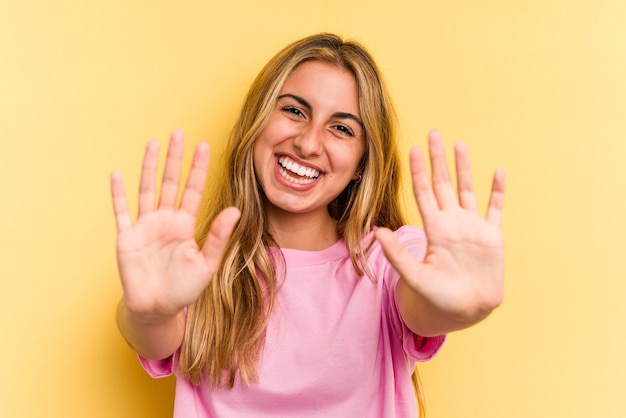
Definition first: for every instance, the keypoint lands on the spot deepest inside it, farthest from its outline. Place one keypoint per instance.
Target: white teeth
(288, 164)
(286, 175)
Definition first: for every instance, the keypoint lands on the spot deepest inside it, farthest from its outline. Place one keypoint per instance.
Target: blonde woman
(299, 290)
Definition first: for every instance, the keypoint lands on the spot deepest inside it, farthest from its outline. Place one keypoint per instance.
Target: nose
(309, 141)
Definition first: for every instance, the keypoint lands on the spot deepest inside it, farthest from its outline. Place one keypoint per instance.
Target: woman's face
(313, 142)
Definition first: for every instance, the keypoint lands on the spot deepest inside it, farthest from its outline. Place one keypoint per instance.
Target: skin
(461, 279)
(162, 269)
(316, 124)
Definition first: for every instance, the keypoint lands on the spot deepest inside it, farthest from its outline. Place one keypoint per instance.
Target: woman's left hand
(460, 281)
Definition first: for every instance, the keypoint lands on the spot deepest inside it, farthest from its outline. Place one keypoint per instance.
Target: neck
(309, 232)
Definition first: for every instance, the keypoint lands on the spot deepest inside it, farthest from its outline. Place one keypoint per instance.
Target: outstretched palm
(161, 267)
(462, 273)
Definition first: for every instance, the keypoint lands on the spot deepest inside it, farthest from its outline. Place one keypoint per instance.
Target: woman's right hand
(161, 267)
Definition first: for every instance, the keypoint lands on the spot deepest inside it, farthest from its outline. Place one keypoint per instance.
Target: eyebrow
(307, 105)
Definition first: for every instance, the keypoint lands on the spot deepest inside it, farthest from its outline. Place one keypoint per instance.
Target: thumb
(219, 234)
(398, 256)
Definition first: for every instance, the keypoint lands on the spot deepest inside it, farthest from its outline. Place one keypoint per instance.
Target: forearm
(151, 338)
(428, 320)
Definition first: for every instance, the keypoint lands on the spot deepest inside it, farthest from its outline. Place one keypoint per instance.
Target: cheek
(262, 146)
(260, 163)
(354, 156)
(276, 128)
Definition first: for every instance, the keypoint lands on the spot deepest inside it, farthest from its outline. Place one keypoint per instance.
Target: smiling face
(312, 144)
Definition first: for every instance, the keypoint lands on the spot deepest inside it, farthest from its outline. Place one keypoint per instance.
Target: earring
(359, 177)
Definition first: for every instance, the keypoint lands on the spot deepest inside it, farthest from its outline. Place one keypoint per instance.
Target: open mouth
(296, 173)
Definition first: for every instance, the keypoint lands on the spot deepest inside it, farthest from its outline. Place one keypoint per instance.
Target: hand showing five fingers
(162, 269)
(462, 274)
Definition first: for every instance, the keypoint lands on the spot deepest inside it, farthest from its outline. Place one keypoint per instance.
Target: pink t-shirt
(335, 345)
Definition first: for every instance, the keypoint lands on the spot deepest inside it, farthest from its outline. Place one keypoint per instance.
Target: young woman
(299, 291)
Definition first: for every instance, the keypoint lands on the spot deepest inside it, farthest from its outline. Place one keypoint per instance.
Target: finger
(442, 185)
(422, 189)
(496, 200)
(171, 174)
(147, 184)
(465, 184)
(219, 234)
(195, 183)
(398, 256)
(120, 208)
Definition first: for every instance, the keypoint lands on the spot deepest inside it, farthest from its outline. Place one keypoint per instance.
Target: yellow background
(537, 87)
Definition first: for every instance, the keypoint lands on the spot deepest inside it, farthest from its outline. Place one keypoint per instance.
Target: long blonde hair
(226, 326)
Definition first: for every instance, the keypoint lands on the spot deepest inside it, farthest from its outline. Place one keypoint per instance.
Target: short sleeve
(159, 368)
(417, 347)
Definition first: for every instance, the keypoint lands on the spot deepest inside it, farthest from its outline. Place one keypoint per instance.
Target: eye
(292, 110)
(344, 130)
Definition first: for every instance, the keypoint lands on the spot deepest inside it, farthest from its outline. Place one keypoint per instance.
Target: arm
(161, 267)
(460, 281)
(152, 339)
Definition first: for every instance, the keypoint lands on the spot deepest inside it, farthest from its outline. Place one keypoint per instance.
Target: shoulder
(406, 234)
(412, 238)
